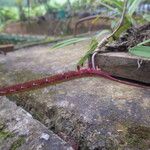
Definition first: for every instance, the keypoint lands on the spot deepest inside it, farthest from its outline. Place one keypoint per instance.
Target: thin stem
(106, 40)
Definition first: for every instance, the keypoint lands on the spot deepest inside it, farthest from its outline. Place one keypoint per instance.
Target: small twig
(106, 40)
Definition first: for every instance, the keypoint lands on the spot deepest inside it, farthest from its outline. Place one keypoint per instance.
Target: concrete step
(95, 112)
(18, 130)
(125, 65)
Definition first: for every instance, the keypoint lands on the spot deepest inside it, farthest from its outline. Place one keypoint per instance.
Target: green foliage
(81, 4)
(7, 13)
(99, 34)
(69, 42)
(116, 6)
(146, 42)
(92, 47)
(21, 10)
(141, 50)
(146, 17)
(38, 11)
(34, 11)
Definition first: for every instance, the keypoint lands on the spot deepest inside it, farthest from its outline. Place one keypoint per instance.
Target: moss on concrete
(20, 141)
(138, 136)
(3, 133)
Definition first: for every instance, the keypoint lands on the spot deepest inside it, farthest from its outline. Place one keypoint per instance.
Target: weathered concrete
(96, 112)
(125, 65)
(19, 131)
(93, 112)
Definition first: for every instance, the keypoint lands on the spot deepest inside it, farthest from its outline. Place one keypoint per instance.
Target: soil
(130, 38)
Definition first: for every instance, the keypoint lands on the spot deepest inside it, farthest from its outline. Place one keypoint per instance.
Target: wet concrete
(94, 112)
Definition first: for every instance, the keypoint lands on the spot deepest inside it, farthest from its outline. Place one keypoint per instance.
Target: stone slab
(19, 131)
(96, 112)
(125, 65)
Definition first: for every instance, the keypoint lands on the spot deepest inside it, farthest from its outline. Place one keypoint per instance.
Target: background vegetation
(23, 10)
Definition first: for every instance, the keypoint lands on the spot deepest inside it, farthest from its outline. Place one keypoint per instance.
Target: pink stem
(62, 77)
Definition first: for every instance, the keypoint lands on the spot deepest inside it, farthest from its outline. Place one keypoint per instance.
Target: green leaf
(103, 32)
(133, 7)
(146, 17)
(108, 6)
(143, 51)
(69, 42)
(115, 3)
(123, 28)
(144, 42)
(93, 46)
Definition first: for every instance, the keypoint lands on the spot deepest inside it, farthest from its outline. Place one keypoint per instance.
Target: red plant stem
(62, 77)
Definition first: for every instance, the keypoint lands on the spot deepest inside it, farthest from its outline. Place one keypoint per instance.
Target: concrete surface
(18, 130)
(95, 113)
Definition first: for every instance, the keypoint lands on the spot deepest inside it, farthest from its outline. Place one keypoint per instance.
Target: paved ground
(95, 113)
